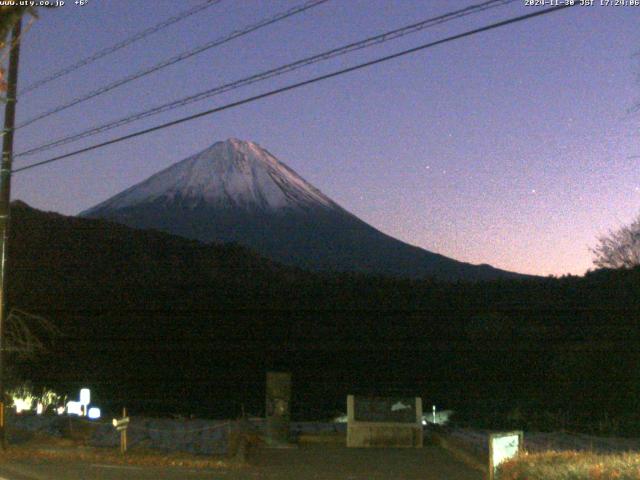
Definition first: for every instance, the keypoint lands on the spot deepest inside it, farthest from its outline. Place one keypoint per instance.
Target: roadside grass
(572, 466)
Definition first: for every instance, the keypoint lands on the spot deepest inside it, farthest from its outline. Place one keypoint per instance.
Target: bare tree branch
(619, 248)
(28, 334)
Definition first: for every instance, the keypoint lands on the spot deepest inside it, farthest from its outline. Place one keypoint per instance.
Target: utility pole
(5, 201)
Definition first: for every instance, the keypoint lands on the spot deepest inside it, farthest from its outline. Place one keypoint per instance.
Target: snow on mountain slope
(233, 173)
(235, 191)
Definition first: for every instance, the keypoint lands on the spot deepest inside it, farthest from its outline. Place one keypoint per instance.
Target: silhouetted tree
(9, 15)
(619, 248)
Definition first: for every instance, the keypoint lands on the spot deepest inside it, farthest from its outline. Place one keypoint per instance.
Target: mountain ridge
(236, 191)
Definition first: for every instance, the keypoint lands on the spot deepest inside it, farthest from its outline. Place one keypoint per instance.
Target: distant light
(60, 410)
(74, 408)
(441, 417)
(85, 397)
(23, 404)
(341, 419)
(399, 406)
(94, 413)
(39, 408)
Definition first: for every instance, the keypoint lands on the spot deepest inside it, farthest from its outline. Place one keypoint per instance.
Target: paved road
(59, 470)
(312, 462)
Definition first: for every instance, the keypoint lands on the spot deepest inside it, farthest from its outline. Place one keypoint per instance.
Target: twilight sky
(512, 147)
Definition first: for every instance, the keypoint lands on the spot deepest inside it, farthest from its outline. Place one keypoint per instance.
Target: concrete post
(278, 407)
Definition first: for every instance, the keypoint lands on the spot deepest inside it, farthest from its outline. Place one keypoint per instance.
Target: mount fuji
(236, 191)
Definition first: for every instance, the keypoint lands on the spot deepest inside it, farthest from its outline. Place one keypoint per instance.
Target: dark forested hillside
(166, 325)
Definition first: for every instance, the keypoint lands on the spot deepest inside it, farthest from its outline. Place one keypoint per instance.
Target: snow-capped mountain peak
(229, 174)
(236, 191)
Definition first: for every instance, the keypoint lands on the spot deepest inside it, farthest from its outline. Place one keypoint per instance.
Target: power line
(178, 58)
(368, 42)
(114, 48)
(298, 85)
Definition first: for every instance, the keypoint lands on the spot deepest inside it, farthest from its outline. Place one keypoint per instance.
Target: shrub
(571, 466)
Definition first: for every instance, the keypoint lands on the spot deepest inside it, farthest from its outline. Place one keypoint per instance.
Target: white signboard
(94, 413)
(85, 397)
(502, 447)
(74, 408)
(120, 423)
